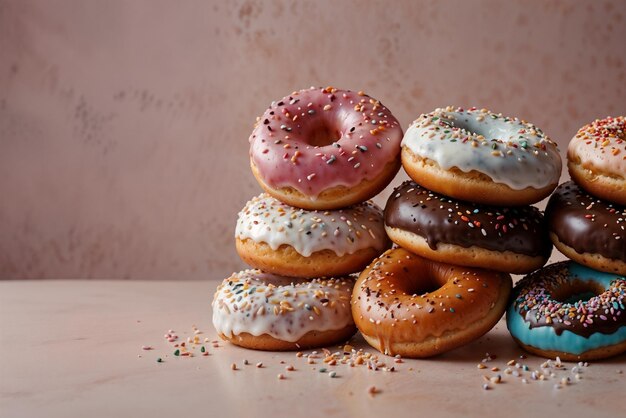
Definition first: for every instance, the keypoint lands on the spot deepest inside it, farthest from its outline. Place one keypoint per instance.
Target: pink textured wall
(124, 124)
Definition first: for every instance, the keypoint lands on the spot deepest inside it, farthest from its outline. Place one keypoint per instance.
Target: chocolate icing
(586, 223)
(536, 319)
(438, 218)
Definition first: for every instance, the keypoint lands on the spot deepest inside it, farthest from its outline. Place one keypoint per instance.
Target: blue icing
(586, 274)
(545, 338)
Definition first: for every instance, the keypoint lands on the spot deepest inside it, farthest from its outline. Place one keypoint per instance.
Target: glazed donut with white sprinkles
(570, 311)
(325, 148)
(480, 156)
(281, 239)
(263, 311)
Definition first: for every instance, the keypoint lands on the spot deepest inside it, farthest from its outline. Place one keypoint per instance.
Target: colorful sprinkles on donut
(608, 136)
(466, 284)
(283, 307)
(596, 158)
(316, 139)
(570, 311)
(409, 305)
(443, 125)
(535, 302)
(508, 150)
(440, 219)
(345, 231)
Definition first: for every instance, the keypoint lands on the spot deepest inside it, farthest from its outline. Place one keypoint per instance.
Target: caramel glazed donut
(569, 311)
(280, 239)
(481, 157)
(408, 305)
(325, 148)
(597, 158)
(512, 240)
(588, 230)
(262, 311)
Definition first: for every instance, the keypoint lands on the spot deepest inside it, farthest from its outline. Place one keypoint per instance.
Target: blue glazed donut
(569, 311)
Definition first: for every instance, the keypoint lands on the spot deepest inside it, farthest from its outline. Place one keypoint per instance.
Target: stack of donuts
(576, 309)
(319, 154)
(460, 227)
(462, 224)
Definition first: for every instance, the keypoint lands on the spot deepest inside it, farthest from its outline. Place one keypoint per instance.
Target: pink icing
(602, 144)
(367, 137)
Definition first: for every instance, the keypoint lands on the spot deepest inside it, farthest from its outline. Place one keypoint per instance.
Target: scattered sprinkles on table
(348, 357)
(519, 369)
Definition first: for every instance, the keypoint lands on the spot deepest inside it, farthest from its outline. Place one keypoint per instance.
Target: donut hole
(322, 134)
(494, 130)
(424, 282)
(464, 124)
(576, 290)
(424, 286)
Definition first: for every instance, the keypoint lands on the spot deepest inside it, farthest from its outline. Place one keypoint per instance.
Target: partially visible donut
(408, 305)
(512, 240)
(262, 311)
(596, 158)
(569, 311)
(480, 156)
(280, 239)
(325, 148)
(588, 230)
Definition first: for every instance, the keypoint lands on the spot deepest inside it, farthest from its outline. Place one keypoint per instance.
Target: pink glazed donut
(325, 148)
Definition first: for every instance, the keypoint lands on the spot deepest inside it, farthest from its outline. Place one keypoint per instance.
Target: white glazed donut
(266, 312)
(482, 157)
(280, 239)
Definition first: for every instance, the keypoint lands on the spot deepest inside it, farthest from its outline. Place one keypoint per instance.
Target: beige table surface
(74, 348)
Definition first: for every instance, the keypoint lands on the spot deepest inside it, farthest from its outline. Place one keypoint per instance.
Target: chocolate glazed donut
(588, 230)
(513, 240)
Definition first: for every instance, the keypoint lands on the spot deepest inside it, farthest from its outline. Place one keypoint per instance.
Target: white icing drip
(509, 151)
(345, 231)
(285, 308)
